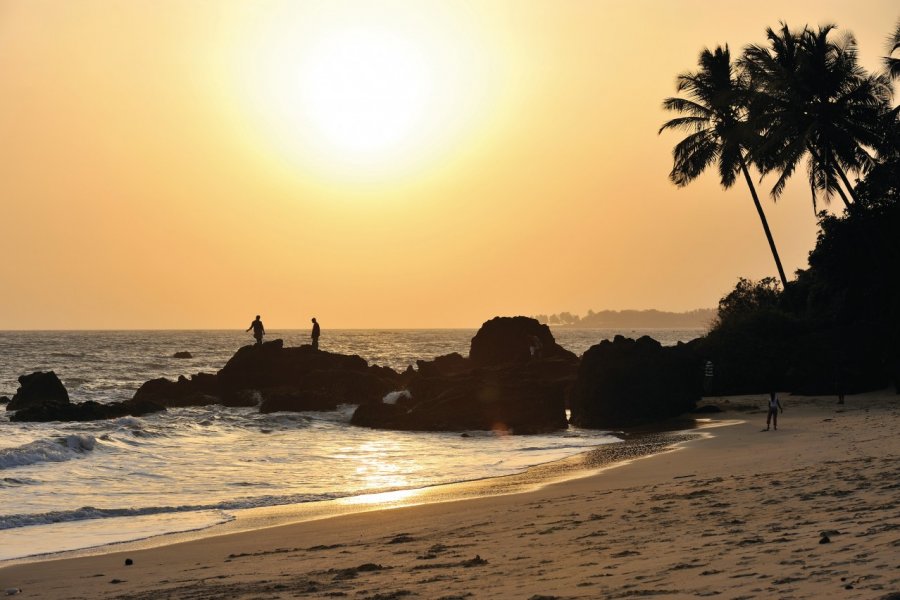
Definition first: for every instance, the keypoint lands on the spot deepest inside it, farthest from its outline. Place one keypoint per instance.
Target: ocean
(67, 486)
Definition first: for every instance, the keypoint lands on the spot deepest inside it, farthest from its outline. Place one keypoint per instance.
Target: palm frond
(689, 123)
(893, 64)
(689, 107)
(692, 156)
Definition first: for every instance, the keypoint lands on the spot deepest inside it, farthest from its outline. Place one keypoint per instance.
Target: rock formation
(517, 379)
(278, 378)
(42, 397)
(504, 340)
(37, 389)
(625, 382)
(502, 385)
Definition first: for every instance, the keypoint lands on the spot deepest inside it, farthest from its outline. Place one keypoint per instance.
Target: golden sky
(190, 164)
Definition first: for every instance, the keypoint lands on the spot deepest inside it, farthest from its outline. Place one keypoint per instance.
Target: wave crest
(52, 450)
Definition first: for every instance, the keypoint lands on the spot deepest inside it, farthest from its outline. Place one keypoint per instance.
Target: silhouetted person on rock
(774, 406)
(258, 330)
(316, 332)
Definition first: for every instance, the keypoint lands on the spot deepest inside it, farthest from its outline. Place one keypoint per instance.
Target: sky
(190, 164)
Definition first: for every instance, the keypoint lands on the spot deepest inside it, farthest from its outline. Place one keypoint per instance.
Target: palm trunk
(847, 185)
(817, 158)
(765, 223)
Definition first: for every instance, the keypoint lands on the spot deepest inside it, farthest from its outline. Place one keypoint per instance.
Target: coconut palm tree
(814, 101)
(893, 64)
(714, 111)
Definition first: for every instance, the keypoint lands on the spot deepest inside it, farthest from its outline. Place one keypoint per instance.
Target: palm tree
(814, 99)
(893, 64)
(715, 111)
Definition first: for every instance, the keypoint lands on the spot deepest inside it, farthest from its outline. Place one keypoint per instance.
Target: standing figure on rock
(258, 330)
(316, 332)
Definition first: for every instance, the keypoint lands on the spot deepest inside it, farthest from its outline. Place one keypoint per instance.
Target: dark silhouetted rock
(200, 389)
(296, 400)
(4, 400)
(85, 411)
(278, 379)
(507, 391)
(504, 340)
(448, 364)
(515, 400)
(38, 389)
(56, 406)
(302, 378)
(183, 354)
(628, 382)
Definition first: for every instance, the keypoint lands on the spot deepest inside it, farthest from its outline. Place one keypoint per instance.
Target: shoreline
(631, 446)
(808, 511)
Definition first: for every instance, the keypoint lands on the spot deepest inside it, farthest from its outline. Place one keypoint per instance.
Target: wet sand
(811, 510)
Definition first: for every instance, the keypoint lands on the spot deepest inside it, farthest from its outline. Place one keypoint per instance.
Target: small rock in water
(128, 562)
(183, 354)
(13, 591)
(825, 539)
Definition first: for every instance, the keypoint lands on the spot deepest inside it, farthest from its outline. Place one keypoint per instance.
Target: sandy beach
(811, 510)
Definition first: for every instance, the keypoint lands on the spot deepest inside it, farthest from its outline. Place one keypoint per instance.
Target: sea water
(66, 486)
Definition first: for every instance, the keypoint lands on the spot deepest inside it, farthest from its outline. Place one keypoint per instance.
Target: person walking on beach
(316, 332)
(258, 330)
(774, 407)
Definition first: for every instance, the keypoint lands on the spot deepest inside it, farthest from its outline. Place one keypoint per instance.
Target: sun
(364, 91)
(357, 92)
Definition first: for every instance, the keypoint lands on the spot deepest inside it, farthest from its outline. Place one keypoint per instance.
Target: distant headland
(700, 318)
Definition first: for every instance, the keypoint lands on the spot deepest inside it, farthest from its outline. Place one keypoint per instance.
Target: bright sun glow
(352, 92)
(364, 91)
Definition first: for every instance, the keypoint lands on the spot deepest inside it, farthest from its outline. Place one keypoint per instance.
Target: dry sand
(731, 511)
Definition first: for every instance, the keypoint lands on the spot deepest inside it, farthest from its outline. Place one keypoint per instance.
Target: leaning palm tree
(714, 111)
(814, 101)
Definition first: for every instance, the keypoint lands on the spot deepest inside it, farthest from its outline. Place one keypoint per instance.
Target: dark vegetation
(802, 100)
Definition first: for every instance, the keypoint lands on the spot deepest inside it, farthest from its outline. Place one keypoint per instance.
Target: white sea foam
(393, 397)
(55, 450)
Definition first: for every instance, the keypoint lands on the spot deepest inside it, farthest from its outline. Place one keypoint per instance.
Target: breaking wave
(52, 450)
